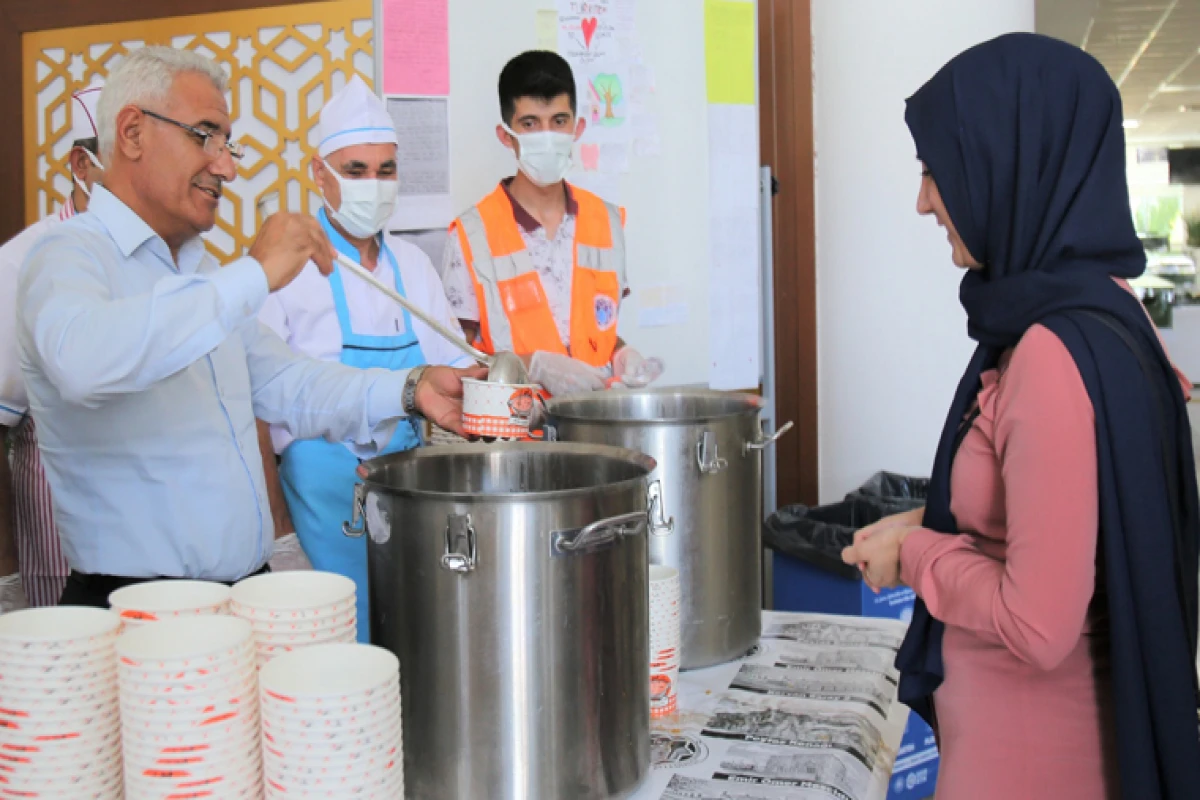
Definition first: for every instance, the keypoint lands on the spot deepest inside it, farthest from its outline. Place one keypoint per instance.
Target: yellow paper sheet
(729, 51)
(546, 24)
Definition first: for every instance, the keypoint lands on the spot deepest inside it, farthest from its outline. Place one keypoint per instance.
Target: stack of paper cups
(292, 610)
(189, 710)
(60, 733)
(665, 640)
(163, 600)
(331, 724)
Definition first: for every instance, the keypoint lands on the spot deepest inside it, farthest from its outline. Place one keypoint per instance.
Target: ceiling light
(1131, 123)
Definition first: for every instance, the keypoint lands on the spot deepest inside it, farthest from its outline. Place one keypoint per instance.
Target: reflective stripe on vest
(514, 313)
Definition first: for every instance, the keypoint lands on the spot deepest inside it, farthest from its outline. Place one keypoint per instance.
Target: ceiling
(1151, 48)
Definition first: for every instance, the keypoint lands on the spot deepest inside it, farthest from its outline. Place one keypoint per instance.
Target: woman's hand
(876, 551)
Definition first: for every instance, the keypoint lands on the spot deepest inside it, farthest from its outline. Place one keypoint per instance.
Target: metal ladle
(503, 367)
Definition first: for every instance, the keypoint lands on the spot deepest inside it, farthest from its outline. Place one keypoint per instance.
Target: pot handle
(766, 441)
(599, 533)
(461, 552)
(660, 525)
(357, 525)
(707, 455)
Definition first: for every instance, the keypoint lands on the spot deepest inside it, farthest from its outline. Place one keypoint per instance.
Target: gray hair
(145, 77)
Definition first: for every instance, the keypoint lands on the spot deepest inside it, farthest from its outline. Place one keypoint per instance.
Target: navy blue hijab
(1023, 138)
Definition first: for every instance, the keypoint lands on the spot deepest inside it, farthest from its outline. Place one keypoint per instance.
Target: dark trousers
(93, 590)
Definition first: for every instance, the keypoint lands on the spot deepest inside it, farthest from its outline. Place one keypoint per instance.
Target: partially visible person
(341, 318)
(31, 558)
(146, 364)
(1053, 644)
(538, 266)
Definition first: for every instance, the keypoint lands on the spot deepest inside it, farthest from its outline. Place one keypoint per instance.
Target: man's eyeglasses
(213, 142)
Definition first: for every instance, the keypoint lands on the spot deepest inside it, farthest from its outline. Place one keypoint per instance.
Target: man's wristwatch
(409, 397)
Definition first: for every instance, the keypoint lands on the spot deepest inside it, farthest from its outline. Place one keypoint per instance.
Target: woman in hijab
(1053, 644)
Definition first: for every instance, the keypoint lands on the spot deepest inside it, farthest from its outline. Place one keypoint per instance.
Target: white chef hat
(83, 112)
(355, 115)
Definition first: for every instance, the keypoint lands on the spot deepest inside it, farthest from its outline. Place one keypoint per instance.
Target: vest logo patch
(606, 312)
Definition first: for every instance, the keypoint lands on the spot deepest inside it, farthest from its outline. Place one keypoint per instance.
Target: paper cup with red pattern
(59, 719)
(50, 634)
(325, 707)
(154, 601)
(188, 686)
(502, 411)
(665, 640)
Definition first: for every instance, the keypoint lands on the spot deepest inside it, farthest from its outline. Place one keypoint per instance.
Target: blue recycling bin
(809, 576)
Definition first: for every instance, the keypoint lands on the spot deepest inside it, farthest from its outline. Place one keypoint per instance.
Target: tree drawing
(608, 87)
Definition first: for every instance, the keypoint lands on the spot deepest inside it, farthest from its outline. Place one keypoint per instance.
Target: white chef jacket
(304, 316)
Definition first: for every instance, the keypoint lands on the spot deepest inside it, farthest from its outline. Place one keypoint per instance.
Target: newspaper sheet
(810, 713)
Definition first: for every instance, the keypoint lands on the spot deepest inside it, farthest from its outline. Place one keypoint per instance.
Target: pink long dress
(1022, 714)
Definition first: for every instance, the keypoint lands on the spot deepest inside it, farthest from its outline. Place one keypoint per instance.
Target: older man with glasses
(145, 362)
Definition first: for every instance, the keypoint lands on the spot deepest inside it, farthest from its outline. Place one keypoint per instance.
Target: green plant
(1155, 215)
(1193, 230)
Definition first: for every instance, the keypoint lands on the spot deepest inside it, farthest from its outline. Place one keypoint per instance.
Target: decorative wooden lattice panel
(282, 62)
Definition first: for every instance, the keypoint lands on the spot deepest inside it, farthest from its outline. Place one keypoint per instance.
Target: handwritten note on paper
(423, 137)
(422, 162)
(416, 47)
(729, 51)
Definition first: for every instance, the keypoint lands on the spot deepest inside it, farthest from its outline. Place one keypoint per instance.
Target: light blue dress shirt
(145, 377)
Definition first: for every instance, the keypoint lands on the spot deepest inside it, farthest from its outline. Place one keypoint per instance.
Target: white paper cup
(327, 672)
(71, 786)
(500, 411)
(60, 630)
(179, 641)
(665, 640)
(278, 593)
(386, 787)
(158, 600)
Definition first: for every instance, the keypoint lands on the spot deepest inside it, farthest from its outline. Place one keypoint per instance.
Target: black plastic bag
(894, 493)
(818, 535)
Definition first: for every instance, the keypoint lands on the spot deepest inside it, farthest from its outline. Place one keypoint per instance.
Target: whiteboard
(666, 195)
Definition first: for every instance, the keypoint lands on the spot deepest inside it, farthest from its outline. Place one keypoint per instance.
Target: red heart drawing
(589, 29)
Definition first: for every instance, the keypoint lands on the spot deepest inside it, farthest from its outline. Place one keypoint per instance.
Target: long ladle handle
(361, 272)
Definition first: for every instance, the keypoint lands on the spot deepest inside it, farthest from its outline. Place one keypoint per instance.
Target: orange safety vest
(514, 313)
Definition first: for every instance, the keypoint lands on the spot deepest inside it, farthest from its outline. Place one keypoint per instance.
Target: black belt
(107, 584)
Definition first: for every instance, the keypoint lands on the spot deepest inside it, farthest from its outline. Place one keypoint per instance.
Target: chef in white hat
(32, 567)
(342, 318)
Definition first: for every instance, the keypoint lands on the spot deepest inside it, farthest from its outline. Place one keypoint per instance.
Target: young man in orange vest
(538, 266)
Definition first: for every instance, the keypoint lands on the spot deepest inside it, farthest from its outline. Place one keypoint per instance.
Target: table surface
(809, 714)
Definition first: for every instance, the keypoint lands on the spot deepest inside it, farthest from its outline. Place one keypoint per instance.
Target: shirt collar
(126, 228)
(130, 231)
(527, 221)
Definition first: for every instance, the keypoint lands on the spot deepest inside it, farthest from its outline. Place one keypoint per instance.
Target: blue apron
(318, 476)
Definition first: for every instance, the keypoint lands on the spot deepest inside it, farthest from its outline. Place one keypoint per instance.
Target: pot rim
(554, 406)
(379, 463)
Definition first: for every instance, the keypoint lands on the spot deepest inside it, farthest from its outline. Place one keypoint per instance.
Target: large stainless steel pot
(707, 446)
(511, 582)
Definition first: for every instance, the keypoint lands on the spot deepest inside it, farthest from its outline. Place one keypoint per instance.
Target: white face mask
(83, 186)
(367, 204)
(545, 156)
